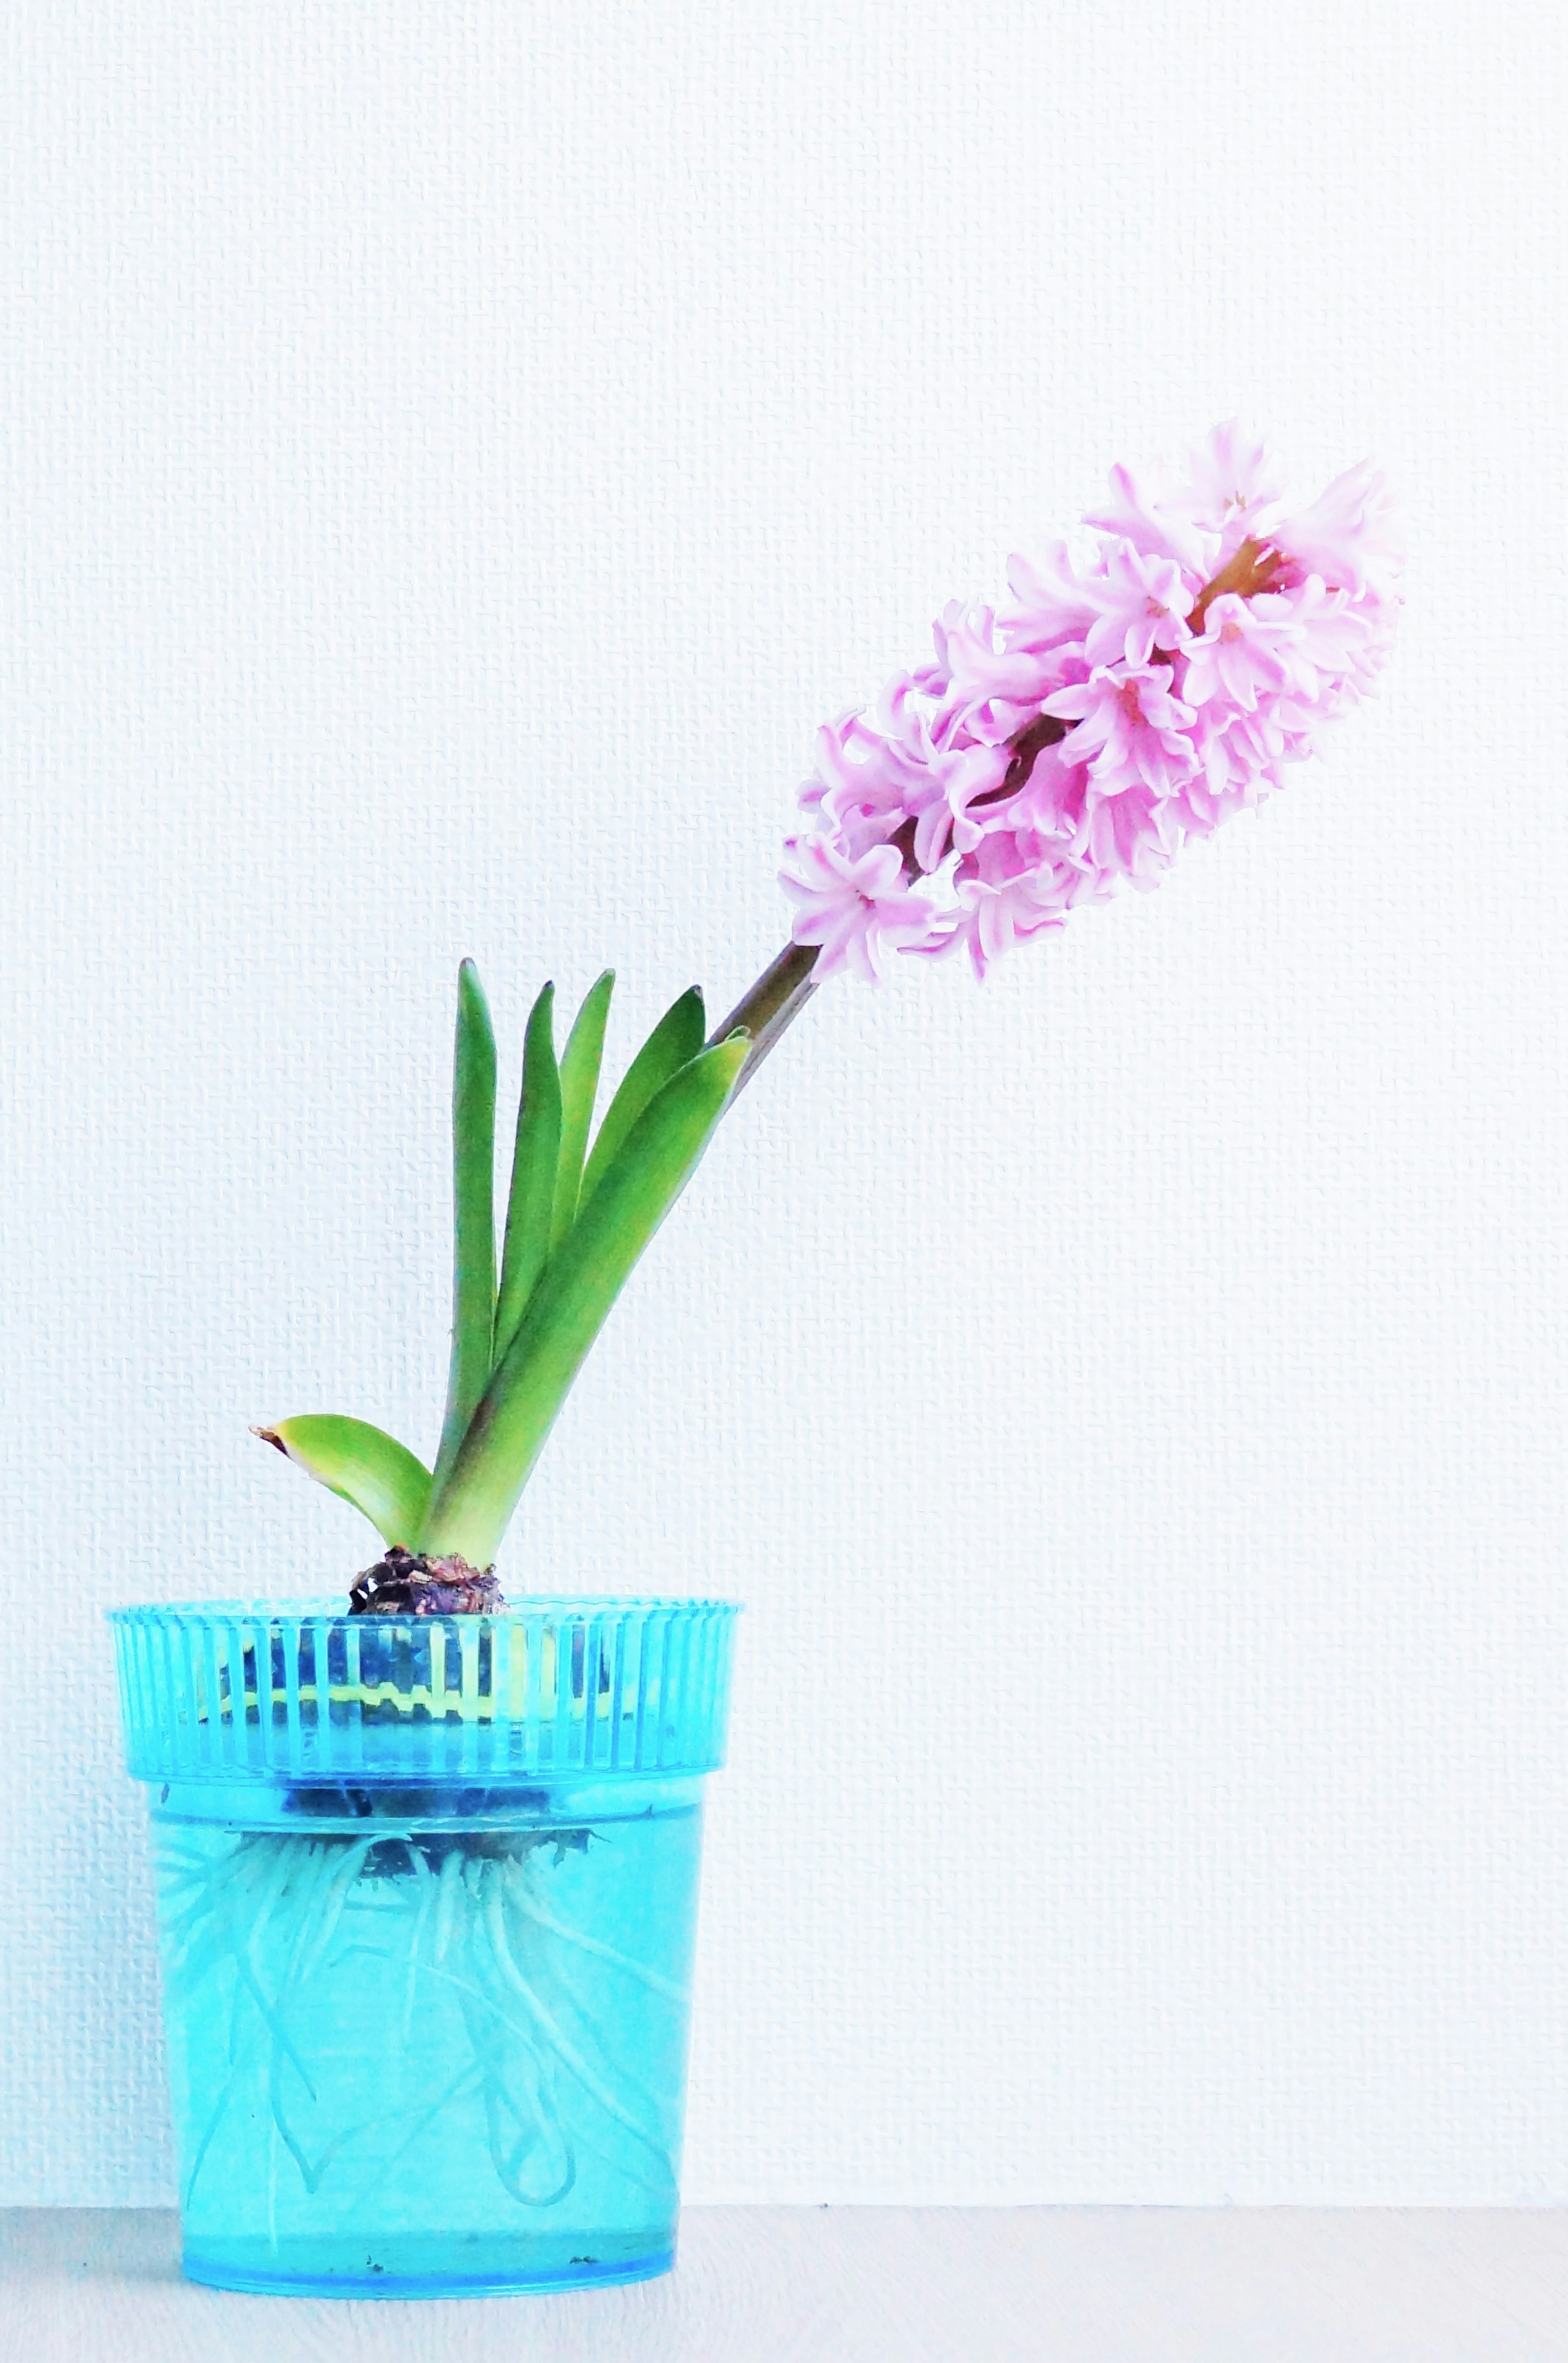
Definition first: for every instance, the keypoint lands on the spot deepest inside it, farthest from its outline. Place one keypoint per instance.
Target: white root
(521, 1902)
(558, 2040)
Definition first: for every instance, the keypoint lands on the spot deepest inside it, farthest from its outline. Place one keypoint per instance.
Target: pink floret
(856, 910)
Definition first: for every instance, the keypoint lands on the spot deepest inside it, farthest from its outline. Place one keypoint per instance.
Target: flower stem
(775, 1001)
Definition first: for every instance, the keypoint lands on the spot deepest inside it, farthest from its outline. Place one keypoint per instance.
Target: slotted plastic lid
(220, 1690)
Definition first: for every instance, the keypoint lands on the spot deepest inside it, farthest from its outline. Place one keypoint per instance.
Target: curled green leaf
(361, 1464)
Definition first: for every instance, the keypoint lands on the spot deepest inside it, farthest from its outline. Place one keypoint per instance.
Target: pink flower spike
(1070, 739)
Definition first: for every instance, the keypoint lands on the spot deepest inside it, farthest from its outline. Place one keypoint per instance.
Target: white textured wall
(454, 455)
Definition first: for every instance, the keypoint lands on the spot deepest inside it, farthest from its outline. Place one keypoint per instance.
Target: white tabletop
(865, 2285)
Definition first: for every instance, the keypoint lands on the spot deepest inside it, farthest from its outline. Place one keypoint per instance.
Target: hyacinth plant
(384, 1977)
(1066, 740)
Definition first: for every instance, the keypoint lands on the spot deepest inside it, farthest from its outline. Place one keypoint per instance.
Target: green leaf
(675, 1039)
(470, 1508)
(473, 1212)
(536, 1156)
(580, 1082)
(363, 1464)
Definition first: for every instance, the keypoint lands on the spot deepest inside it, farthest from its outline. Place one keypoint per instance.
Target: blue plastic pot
(427, 1894)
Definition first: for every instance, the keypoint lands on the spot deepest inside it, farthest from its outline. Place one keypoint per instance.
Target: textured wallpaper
(453, 457)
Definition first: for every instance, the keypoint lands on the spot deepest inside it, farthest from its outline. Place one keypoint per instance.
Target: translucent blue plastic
(427, 1896)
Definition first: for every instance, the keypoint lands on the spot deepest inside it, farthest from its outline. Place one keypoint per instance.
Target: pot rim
(554, 1606)
(552, 1687)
